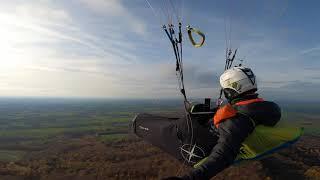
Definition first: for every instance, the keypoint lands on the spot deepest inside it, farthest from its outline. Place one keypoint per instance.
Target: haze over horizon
(116, 48)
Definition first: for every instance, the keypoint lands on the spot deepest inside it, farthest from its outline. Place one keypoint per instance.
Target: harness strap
(241, 103)
(228, 111)
(224, 113)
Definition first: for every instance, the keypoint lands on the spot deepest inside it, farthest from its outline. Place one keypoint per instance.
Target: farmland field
(38, 137)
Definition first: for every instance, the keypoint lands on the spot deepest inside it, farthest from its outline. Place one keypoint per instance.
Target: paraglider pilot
(235, 121)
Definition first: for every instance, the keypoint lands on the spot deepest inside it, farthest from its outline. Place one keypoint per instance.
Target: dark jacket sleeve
(232, 133)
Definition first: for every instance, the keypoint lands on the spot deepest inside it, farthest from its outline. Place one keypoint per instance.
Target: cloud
(99, 48)
(159, 80)
(199, 77)
(59, 32)
(36, 12)
(51, 52)
(302, 86)
(37, 58)
(310, 50)
(294, 90)
(117, 9)
(39, 24)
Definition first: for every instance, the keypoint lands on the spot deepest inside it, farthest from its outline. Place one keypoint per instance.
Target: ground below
(88, 158)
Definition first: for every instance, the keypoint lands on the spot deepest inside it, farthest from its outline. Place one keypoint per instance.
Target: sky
(117, 48)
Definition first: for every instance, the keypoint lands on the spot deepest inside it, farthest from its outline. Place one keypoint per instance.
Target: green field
(6, 156)
(28, 124)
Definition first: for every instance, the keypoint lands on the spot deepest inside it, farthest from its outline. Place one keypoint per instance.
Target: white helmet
(237, 80)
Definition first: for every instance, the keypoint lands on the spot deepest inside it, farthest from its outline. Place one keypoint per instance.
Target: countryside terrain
(90, 139)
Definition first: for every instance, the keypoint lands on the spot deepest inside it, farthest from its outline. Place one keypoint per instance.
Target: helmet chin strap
(230, 94)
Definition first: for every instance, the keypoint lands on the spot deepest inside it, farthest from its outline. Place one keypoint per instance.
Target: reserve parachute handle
(198, 32)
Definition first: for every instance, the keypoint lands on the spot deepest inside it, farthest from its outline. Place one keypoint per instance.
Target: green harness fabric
(264, 141)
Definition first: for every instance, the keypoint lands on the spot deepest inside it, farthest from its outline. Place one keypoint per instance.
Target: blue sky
(117, 49)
